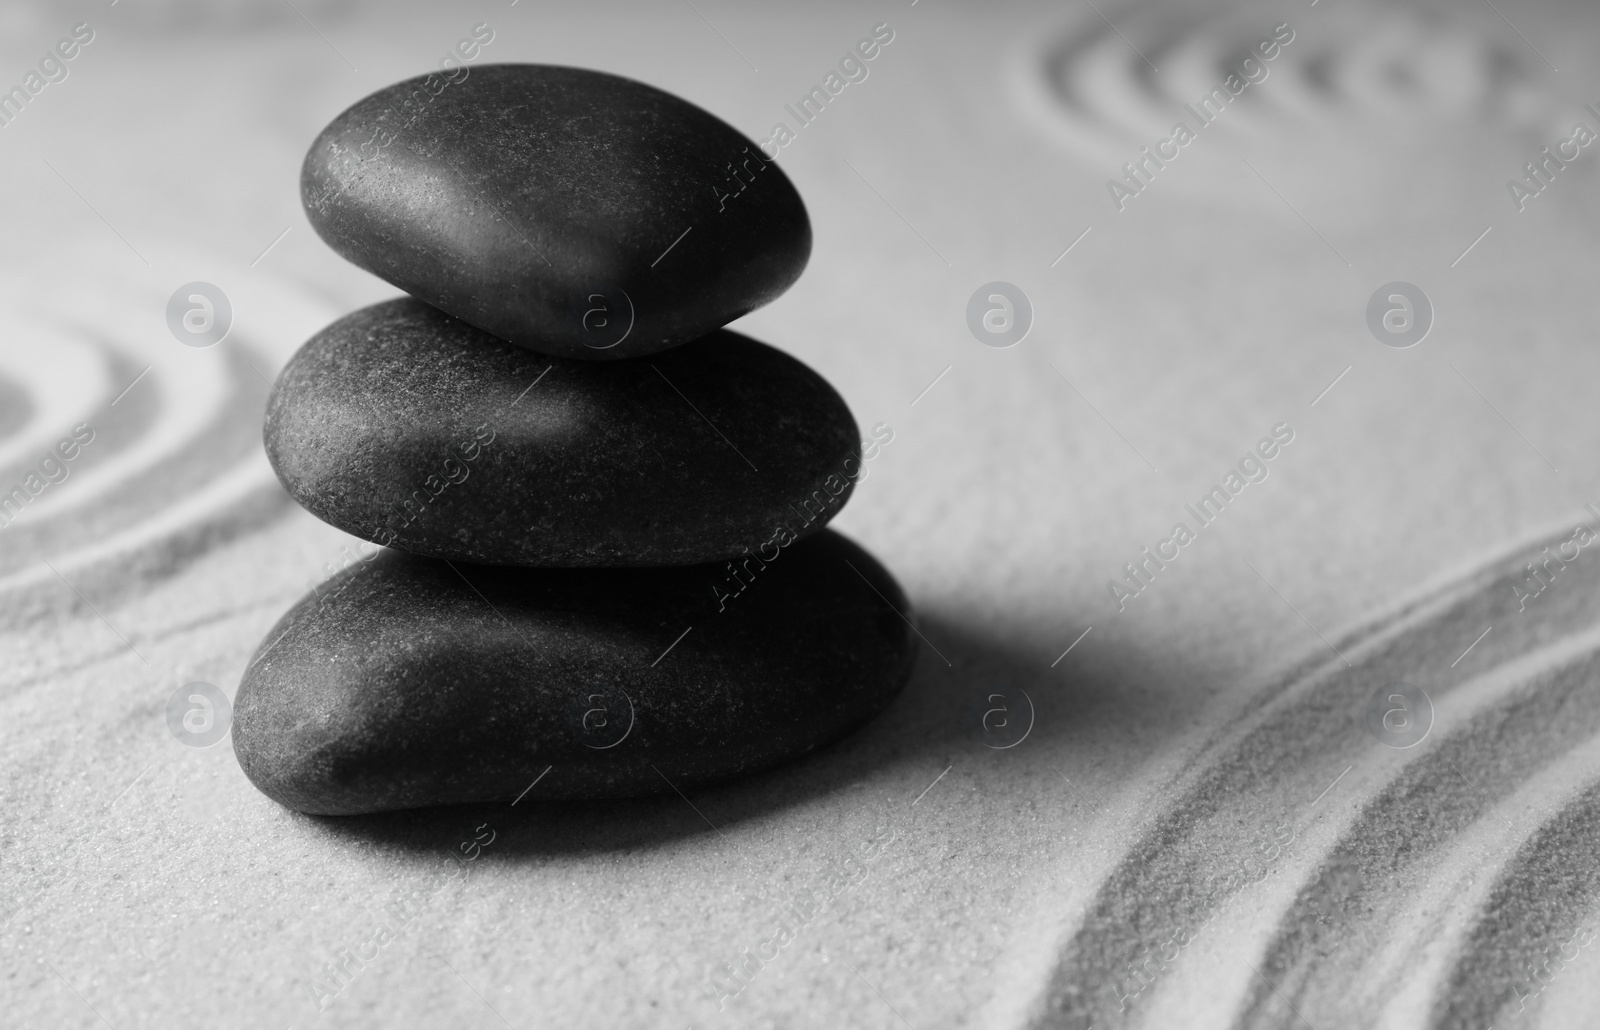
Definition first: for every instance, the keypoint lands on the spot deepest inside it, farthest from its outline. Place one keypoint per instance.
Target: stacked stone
(605, 570)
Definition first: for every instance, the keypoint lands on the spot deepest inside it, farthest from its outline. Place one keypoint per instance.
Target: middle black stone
(413, 429)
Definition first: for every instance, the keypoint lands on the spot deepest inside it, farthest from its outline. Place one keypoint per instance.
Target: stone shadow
(944, 713)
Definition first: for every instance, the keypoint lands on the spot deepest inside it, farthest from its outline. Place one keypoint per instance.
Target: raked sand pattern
(1261, 861)
(166, 468)
(1326, 876)
(1299, 872)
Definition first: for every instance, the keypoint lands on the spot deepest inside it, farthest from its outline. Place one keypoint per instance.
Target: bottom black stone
(405, 681)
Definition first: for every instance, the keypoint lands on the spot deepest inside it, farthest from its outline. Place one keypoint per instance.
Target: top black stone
(570, 211)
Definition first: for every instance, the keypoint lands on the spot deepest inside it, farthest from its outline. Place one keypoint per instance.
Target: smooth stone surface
(549, 206)
(413, 429)
(404, 682)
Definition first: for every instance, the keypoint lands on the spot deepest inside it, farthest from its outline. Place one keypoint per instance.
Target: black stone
(406, 682)
(548, 206)
(410, 428)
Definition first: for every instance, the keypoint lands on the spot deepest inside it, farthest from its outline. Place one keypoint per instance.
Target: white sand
(148, 884)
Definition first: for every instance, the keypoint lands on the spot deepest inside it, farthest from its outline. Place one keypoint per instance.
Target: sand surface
(1198, 829)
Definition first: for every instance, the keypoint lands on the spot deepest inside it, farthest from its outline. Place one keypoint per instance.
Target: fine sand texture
(1090, 807)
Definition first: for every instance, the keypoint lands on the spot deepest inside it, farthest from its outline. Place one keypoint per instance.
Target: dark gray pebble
(410, 428)
(570, 211)
(405, 682)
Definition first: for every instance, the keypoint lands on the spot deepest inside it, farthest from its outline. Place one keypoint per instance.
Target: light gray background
(147, 884)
